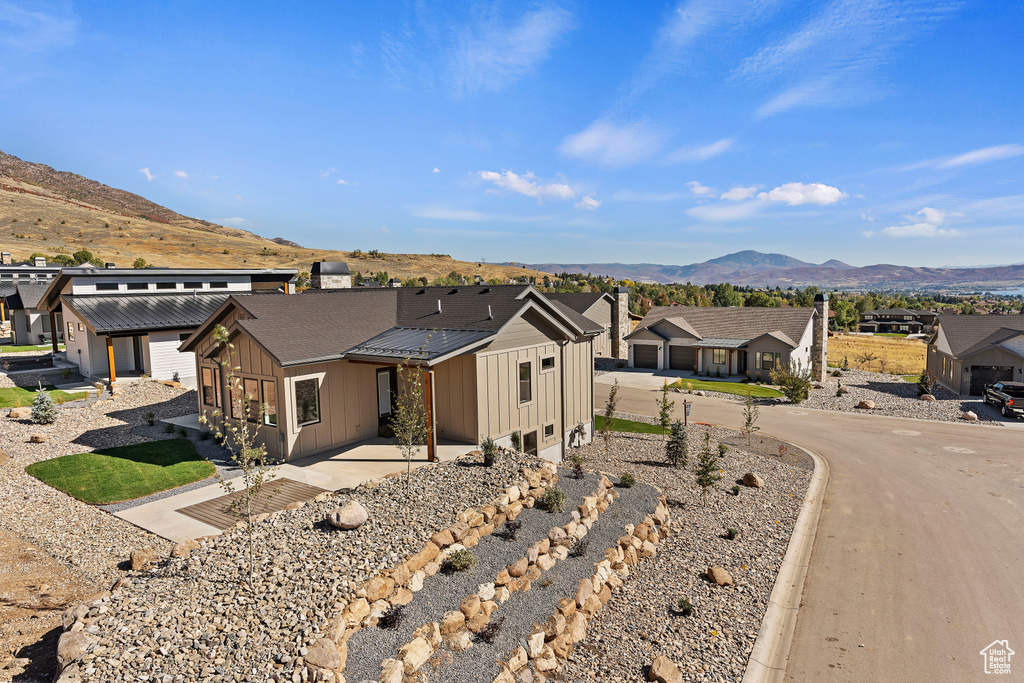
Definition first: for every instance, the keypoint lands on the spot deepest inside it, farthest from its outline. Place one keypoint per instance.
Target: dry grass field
(52, 224)
(878, 354)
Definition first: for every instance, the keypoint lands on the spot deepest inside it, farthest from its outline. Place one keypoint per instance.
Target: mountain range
(757, 269)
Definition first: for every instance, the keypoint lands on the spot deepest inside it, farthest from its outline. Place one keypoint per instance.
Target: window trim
(214, 385)
(107, 287)
(71, 331)
(267, 414)
(529, 382)
(137, 287)
(549, 431)
(220, 284)
(714, 357)
(545, 359)
(290, 382)
(255, 399)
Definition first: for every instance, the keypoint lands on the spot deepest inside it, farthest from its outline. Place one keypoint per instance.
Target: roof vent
(438, 305)
(490, 316)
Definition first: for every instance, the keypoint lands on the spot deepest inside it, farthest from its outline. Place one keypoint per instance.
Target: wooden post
(3, 310)
(53, 330)
(428, 385)
(110, 360)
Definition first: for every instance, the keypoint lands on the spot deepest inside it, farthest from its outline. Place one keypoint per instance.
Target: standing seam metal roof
(135, 313)
(418, 343)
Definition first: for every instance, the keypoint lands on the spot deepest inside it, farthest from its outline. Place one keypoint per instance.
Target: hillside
(56, 212)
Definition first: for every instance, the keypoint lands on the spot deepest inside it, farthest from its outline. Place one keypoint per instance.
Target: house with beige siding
(130, 322)
(320, 369)
(726, 341)
(966, 352)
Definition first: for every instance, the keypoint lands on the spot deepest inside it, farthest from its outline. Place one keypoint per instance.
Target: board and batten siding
(500, 410)
(579, 384)
(455, 399)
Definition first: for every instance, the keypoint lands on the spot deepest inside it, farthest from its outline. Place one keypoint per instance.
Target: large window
(251, 387)
(269, 403)
(525, 383)
(766, 360)
(71, 332)
(211, 386)
(718, 356)
(307, 401)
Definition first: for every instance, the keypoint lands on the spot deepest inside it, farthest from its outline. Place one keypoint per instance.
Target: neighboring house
(323, 365)
(22, 274)
(330, 275)
(730, 340)
(604, 309)
(131, 321)
(896, 320)
(966, 352)
(30, 323)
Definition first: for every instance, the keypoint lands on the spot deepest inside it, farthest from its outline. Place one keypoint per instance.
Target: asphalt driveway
(920, 548)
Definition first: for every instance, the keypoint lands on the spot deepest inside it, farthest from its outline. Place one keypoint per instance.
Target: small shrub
(579, 549)
(66, 372)
(577, 466)
(837, 373)
(685, 607)
(723, 449)
(731, 533)
(168, 428)
(839, 390)
(460, 561)
(793, 380)
(627, 480)
(44, 412)
(490, 450)
(552, 500)
(182, 432)
(512, 528)
(204, 436)
(517, 441)
(735, 490)
(150, 418)
(926, 383)
(392, 618)
(689, 387)
(490, 633)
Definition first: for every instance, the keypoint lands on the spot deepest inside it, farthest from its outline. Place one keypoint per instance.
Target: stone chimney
(620, 323)
(5, 258)
(819, 343)
(39, 262)
(330, 275)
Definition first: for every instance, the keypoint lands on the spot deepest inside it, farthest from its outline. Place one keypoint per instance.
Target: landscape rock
(415, 654)
(72, 646)
(719, 576)
(141, 557)
(866, 405)
(184, 548)
(37, 438)
(324, 654)
(22, 413)
(926, 397)
(391, 671)
(351, 515)
(969, 416)
(664, 671)
(752, 480)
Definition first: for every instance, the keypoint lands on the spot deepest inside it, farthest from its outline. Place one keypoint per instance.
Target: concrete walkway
(637, 378)
(339, 469)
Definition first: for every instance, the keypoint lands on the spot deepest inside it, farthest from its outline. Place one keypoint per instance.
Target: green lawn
(115, 474)
(13, 397)
(8, 348)
(738, 388)
(913, 379)
(619, 425)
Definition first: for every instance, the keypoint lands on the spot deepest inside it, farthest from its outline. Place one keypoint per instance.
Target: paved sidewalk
(342, 468)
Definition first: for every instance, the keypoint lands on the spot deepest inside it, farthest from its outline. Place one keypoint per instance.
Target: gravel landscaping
(195, 618)
(641, 621)
(77, 534)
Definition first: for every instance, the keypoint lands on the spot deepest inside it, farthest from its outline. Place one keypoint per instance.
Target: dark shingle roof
(133, 313)
(28, 296)
(577, 301)
(734, 322)
(969, 334)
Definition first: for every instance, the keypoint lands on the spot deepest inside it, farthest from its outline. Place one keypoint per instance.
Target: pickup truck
(1007, 396)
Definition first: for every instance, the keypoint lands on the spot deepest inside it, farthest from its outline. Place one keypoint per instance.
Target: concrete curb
(767, 662)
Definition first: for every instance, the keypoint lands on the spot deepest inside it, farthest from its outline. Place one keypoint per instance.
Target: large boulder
(141, 557)
(866, 405)
(184, 548)
(22, 413)
(351, 515)
(927, 397)
(324, 654)
(664, 671)
(72, 646)
(719, 576)
(970, 416)
(752, 480)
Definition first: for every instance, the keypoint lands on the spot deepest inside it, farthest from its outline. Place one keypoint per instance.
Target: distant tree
(760, 300)
(726, 295)
(357, 279)
(82, 256)
(139, 263)
(34, 255)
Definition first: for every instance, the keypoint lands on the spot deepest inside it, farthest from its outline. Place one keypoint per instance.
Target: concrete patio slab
(346, 467)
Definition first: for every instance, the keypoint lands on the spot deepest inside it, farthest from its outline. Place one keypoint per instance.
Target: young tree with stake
(750, 414)
(609, 414)
(664, 410)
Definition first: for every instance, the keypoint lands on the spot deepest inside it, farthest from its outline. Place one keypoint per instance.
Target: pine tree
(677, 451)
(707, 468)
(44, 411)
(750, 414)
(664, 410)
(609, 414)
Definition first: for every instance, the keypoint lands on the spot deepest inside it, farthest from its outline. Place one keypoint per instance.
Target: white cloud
(723, 213)
(981, 156)
(491, 55)
(527, 184)
(701, 153)
(468, 215)
(238, 198)
(236, 221)
(181, 174)
(436, 170)
(145, 172)
(588, 203)
(795, 194)
(328, 172)
(700, 190)
(614, 145)
(923, 224)
(739, 193)
(378, 231)
(342, 181)
(813, 93)
(32, 31)
(634, 196)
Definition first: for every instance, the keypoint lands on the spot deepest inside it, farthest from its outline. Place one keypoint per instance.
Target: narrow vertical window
(269, 403)
(307, 402)
(525, 383)
(251, 388)
(209, 390)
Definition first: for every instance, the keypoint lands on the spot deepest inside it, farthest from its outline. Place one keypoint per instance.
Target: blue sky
(864, 130)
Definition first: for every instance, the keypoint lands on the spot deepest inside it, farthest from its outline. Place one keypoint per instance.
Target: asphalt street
(919, 559)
